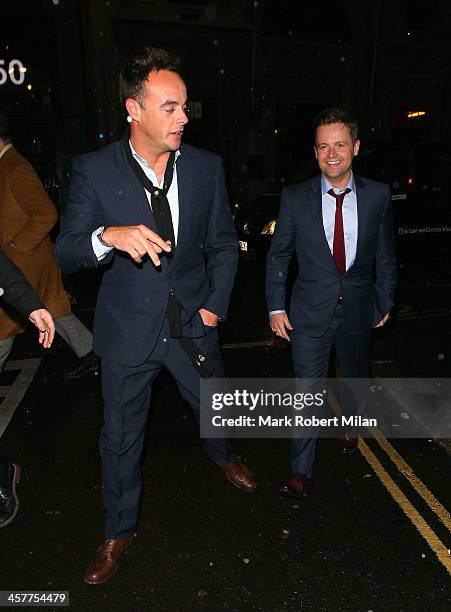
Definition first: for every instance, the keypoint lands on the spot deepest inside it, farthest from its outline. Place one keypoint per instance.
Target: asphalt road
(355, 545)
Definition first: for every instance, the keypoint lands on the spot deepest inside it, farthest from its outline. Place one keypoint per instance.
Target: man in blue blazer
(340, 227)
(154, 214)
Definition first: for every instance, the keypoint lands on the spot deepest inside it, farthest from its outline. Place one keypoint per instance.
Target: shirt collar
(142, 161)
(6, 148)
(325, 185)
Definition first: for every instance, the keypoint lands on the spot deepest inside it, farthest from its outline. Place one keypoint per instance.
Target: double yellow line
(406, 506)
(442, 552)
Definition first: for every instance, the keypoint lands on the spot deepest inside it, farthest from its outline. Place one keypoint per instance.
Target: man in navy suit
(154, 214)
(340, 227)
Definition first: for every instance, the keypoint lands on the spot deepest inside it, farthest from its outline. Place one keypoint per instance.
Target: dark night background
(257, 72)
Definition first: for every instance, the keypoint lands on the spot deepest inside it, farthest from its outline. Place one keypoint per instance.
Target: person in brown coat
(27, 216)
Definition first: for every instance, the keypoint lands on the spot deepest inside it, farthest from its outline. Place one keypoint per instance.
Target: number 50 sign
(15, 71)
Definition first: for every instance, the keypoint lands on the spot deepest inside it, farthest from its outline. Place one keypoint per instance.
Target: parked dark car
(421, 195)
(255, 223)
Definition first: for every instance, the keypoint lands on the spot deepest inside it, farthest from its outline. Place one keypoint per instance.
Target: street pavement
(371, 537)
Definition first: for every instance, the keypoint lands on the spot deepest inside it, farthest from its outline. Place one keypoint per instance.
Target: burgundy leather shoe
(300, 485)
(106, 561)
(348, 445)
(238, 474)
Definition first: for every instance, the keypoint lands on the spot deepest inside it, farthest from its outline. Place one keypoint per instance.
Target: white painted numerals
(15, 71)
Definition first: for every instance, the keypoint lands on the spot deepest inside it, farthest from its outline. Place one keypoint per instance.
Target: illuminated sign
(415, 114)
(15, 72)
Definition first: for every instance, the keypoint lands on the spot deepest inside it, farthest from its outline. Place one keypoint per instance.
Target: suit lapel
(186, 193)
(362, 214)
(316, 205)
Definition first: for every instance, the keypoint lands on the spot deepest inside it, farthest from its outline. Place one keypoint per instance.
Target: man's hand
(43, 320)
(280, 325)
(209, 318)
(384, 320)
(136, 240)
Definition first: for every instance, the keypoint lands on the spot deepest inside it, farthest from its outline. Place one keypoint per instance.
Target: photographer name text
(295, 421)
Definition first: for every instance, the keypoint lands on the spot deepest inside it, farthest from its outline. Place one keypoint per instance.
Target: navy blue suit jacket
(132, 299)
(368, 286)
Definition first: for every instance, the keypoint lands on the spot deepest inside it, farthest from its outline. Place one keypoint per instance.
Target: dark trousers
(311, 360)
(127, 393)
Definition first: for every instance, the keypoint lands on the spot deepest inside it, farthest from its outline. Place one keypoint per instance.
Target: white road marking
(14, 394)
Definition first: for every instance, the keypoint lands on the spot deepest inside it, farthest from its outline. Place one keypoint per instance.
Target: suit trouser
(69, 327)
(127, 393)
(311, 360)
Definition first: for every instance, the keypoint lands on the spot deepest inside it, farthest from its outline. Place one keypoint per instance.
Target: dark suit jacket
(368, 287)
(132, 299)
(15, 290)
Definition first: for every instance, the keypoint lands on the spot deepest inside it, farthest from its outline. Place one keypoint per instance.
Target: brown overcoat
(26, 217)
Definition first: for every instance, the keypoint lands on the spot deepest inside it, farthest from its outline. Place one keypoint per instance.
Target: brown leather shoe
(106, 561)
(300, 485)
(238, 474)
(348, 445)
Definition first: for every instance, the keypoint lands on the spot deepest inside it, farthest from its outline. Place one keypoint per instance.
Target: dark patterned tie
(338, 250)
(159, 197)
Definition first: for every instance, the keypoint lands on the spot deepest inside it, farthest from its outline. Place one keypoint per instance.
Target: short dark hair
(5, 133)
(336, 115)
(135, 71)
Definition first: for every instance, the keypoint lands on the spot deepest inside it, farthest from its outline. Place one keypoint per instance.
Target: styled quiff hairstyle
(135, 71)
(336, 115)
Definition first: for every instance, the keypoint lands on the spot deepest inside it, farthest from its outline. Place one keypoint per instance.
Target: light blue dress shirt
(350, 222)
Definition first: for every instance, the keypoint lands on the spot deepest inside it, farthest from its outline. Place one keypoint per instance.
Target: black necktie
(159, 200)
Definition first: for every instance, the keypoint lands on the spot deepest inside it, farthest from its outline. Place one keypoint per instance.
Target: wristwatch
(100, 237)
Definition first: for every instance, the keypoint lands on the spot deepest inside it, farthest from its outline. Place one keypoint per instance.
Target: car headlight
(269, 228)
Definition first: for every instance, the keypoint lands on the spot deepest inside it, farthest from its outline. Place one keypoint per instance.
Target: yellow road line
(404, 468)
(411, 512)
(434, 542)
(419, 486)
